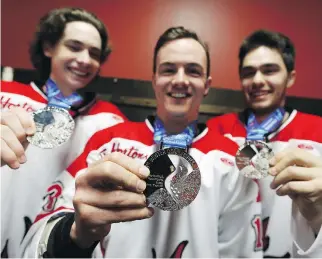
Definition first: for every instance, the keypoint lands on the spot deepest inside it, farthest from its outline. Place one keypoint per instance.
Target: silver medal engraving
(252, 159)
(174, 180)
(54, 126)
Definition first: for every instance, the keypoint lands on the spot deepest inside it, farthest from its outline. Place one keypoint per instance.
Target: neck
(175, 125)
(65, 91)
(261, 116)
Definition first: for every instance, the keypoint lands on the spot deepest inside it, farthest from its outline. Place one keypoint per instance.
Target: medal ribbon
(257, 131)
(181, 140)
(56, 98)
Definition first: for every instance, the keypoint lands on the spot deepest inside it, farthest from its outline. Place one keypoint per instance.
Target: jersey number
(53, 193)
(257, 225)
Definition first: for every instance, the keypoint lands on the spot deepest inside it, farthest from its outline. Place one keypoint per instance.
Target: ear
(207, 86)
(153, 81)
(291, 79)
(48, 50)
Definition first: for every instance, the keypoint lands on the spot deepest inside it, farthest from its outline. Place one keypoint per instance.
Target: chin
(77, 85)
(177, 113)
(263, 109)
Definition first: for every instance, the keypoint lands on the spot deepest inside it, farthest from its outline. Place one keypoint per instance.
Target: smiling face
(180, 81)
(75, 59)
(264, 79)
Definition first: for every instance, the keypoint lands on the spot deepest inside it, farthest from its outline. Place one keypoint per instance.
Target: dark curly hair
(51, 29)
(270, 39)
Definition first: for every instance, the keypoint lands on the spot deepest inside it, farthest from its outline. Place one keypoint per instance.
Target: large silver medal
(252, 159)
(174, 180)
(54, 126)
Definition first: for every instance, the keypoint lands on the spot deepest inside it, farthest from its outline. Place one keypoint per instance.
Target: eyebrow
(267, 65)
(185, 64)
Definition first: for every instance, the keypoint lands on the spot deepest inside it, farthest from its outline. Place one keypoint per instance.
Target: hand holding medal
(252, 158)
(54, 124)
(174, 179)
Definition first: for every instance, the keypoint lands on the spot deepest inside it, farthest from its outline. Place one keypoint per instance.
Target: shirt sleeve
(305, 243)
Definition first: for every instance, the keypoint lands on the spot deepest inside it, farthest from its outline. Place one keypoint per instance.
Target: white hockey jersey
(218, 223)
(299, 130)
(22, 190)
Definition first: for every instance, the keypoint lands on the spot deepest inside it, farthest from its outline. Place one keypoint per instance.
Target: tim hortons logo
(132, 152)
(227, 161)
(7, 104)
(305, 146)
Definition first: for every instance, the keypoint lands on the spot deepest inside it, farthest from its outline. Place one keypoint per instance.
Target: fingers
(116, 198)
(19, 121)
(294, 173)
(117, 169)
(12, 151)
(8, 157)
(109, 192)
(92, 223)
(128, 163)
(294, 156)
(25, 119)
(293, 189)
(16, 124)
(12, 122)
(93, 216)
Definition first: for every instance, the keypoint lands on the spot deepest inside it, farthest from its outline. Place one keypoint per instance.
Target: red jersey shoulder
(224, 123)
(215, 141)
(303, 126)
(22, 89)
(104, 106)
(308, 120)
(137, 131)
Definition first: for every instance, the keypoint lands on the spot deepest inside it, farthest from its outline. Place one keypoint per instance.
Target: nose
(180, 78)
(84, 58)
(258, 79)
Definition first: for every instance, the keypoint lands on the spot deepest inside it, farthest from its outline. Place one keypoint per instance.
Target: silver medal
(252, 159)
(174, 180)
(54, 126)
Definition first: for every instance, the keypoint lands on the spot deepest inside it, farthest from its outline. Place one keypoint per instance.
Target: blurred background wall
(135, 26)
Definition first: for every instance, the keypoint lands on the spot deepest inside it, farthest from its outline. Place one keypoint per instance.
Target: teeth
(78, 73)
(259, 93)
(178, 95)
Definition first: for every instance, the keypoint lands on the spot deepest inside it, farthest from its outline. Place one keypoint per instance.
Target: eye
(247, 74)
(269, 70)
(95, 54)
(74, 48)
(167, 71)
(193, 71)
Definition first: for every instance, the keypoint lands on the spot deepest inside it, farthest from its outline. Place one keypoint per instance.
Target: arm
(107, 192)
(298, 174)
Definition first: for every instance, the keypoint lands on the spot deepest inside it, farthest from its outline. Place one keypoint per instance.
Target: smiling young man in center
(107, 204)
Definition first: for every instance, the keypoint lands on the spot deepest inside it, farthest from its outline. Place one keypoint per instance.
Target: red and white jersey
(300, 130)
(218, 223)
(22, 190)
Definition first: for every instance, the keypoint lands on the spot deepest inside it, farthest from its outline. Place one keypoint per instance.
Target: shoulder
(223, 118)
(105, 107)
(215, 141)
(301, 126)
(308, 119)
(125, 130)
(26, 90)
(223, 123)
(10, 86)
